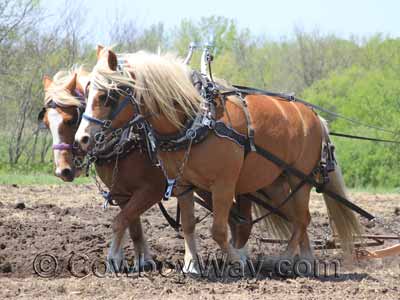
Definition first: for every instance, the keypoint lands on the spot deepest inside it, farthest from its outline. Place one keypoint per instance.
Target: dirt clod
(20, 205)
(6, 268)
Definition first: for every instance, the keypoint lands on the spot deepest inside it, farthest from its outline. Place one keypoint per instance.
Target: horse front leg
(186, 204)
(140, 201)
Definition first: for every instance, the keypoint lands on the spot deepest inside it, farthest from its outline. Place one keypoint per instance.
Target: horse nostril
(66, 173)
(85, 140)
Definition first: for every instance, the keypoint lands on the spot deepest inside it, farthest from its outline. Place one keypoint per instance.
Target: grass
(36, 178)
(375, 190)
(33, 174)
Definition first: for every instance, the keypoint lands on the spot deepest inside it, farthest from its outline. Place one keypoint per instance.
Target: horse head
(63, 105)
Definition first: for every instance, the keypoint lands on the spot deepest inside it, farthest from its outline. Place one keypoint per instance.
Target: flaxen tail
(274, 225)
(345, 223)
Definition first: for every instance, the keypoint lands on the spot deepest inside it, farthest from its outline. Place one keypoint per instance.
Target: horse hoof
(191, 268)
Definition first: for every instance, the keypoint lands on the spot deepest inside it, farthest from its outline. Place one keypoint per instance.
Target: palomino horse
(63, 101)
(161, 88)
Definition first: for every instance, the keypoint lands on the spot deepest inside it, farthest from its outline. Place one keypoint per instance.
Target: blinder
(111, 100)
(41, 114)
(73, 122)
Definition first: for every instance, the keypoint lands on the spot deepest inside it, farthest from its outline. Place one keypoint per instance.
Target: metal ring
(100, 137)
(117, 132)
(118, 148)
(191, 134)
(140, 126)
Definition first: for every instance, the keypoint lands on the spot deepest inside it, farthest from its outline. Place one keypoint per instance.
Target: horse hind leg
(222, 198)
(241, 231)
(300, 206)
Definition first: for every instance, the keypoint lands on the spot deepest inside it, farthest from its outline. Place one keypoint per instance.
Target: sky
(273, 19)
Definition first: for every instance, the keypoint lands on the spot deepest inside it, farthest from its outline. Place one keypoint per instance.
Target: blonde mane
(57, 93)
(162, 83)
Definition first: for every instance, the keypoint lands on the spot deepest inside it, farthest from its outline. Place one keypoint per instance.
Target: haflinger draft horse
(139, 185)
(158, 92)
(63, 106)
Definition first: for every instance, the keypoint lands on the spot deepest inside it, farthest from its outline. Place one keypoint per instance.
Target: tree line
(357, 76)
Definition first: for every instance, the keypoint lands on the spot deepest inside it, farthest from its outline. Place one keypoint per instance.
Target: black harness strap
(364, 138)
(267, 206)
(174, 224)
(222, 130)
(288, 97)
(310, 180)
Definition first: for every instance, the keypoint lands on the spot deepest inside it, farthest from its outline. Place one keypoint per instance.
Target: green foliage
(371, 95)
(359, 78)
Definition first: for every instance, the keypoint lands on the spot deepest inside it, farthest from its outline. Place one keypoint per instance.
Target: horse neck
(163, 126)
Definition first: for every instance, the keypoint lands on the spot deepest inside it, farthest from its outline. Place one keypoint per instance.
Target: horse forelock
(57, 92)
(162, 84)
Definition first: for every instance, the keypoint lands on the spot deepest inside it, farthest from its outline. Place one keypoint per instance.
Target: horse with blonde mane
(134, 192)
(139, 184)
(162, 94)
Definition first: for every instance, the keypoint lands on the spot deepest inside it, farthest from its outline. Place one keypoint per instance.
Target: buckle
(169, 189)
(92, 159)
(107, 124)
(207, 122)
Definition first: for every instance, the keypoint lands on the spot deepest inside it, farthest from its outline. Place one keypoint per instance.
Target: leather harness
(204, 122)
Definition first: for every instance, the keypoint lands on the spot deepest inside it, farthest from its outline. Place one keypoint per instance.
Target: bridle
(112, 96)
(75, 122)
(137, 129)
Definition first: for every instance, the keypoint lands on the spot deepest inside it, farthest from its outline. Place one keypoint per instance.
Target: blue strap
(94, 120)
(107, 123)
(121, 107)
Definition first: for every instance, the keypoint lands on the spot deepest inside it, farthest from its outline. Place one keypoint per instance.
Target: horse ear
(72, 83)
(112, 60)
(47, 81)
(99, 48)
